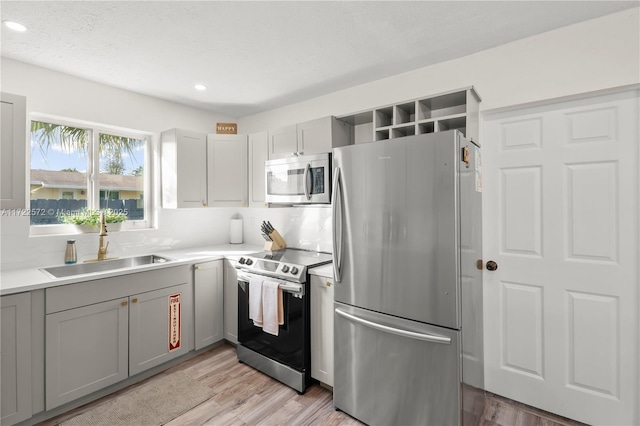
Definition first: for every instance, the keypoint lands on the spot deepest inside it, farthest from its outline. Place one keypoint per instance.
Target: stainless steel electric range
(287, 356)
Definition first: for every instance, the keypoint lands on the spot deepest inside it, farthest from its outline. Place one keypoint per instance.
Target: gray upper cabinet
(13, 145)
(258, 154)
(15, 358)
(184, 168)
(283, 142)
(227, 170)
(310, 137)
(209, 298)
(321, 135)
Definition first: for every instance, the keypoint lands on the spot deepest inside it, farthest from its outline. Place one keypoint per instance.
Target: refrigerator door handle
(404, 333)
(337, 237)
(307, 182)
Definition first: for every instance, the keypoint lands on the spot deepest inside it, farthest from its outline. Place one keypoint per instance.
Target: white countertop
(323, 271)
(20, 280)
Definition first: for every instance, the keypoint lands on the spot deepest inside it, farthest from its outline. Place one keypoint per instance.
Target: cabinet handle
(198, 267)
(134, 300)
(328, 283)
(125, 303)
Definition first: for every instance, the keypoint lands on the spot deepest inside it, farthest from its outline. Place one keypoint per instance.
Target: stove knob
(285, 269)
(241, 261)
(249, 262)
(294, 270)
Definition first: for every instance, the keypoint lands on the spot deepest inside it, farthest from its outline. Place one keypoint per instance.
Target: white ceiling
(255, 56)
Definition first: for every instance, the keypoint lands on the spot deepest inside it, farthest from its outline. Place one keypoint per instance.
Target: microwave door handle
(308, 182)
(337, 236)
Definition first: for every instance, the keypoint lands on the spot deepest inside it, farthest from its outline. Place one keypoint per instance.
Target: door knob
(491, 265)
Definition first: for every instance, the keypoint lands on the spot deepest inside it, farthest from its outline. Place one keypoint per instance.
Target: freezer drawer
(392, 371)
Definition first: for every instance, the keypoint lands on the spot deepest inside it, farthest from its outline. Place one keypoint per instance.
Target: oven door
(299, 180)
(288, 347)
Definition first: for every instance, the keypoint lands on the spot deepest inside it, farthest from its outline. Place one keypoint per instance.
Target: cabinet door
(159, 326)
(227, 170)
(322, 135)
(13, 145)
(258, 154)
(209, 294)
(86, 350)
(230, 302)
(15, 358)
(322, 329)
(184, 169)
(283, 142)
(314, 137)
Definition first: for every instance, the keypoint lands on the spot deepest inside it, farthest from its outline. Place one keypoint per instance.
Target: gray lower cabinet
(322, 329)
(86, 350)
(157, 331)
(15, 358)
(102, 331)
(230, 301)
(209, 299)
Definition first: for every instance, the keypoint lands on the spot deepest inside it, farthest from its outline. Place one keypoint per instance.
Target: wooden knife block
(276, 243)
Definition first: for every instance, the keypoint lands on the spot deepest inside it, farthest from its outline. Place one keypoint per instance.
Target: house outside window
(86, 167)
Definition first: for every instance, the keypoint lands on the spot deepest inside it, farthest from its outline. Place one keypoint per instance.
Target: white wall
(592, 55)
(54, 93)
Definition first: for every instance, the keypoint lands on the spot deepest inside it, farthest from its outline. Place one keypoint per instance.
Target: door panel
(561, 221)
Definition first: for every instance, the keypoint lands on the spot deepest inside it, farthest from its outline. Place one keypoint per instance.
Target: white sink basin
(104, 265)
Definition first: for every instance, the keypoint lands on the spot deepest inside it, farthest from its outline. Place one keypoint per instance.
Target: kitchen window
(78, 167)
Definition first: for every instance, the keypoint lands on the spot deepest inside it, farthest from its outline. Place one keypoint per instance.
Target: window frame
(93, 172)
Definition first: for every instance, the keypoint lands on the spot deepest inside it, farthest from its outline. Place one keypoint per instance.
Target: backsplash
(302, 227)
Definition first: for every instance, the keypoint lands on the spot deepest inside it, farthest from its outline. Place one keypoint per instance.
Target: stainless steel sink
(104, 265)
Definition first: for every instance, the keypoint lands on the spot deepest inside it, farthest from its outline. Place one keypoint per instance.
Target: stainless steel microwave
(299, 180)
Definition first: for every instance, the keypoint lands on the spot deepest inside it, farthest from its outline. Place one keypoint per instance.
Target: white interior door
(561, 221)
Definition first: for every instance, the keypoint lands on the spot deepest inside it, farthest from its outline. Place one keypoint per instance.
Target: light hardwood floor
(244, 396)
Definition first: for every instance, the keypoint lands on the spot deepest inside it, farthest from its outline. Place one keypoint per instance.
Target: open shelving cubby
(456, 109)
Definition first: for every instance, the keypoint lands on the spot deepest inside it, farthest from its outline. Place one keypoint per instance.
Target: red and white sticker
(175, 328)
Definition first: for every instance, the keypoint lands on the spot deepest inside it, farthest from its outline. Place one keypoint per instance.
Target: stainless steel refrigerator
(408, 292)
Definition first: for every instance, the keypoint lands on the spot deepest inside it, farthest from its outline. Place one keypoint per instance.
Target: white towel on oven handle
(255, 300)
(272, 307)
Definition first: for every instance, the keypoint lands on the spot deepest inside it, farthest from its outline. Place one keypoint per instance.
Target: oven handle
(288, 287)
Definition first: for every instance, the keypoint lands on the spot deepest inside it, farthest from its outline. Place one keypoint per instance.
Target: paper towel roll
(235, 231)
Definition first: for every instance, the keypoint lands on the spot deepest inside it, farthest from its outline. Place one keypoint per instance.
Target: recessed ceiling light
(200, 87)
(14, 26)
